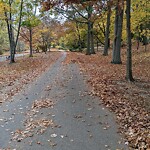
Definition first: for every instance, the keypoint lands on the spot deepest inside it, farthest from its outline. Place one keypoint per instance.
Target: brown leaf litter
(130, 101)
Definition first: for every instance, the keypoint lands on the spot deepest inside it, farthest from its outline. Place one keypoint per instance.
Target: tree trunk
(138, 40)
(88, 39)
(97, 45)
(11, 43)
(117, 59)
(10, 31)
(31, 50)
(106, 46)
(19, 26)
(92, 39)
(129, 76)
(10, 35)
(89, 9)
(138, 44)
(118, 33)
(9, 23)
(13, 47)
(79, 38)
(115, 32)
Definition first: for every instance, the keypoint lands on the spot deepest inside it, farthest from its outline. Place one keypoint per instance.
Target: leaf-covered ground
(55, 111)
(129, 101)
(14, 76)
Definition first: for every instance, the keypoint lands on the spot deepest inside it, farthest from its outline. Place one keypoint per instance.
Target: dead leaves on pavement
(42, 104)
(14, 76)
(35, 126)
(130, 101)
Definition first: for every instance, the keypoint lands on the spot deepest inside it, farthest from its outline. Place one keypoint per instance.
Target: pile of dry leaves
(32, 125)
(130, 101)
(42, 104)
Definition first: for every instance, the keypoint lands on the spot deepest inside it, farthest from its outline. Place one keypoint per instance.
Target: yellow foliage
(140, 13)
(2, 9)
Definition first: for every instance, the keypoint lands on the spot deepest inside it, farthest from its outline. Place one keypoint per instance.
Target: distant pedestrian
(7, 57)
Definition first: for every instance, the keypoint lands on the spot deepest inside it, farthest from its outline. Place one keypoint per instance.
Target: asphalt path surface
(81, 121)
(4, 58)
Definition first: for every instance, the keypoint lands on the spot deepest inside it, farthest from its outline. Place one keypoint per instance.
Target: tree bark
(79, 37)
(118, 33)
(88, 39)
(31, 50)
(11, 34)
(138, 40)
(115, 32)
(92, 39)
(19, 26)
(97, 45)
(9, 28)
(106, 46)
(9, 23)
(11, 43)
(129, 76)
(138, 44)
(89, 10)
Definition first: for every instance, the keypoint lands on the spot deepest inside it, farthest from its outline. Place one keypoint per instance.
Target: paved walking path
(4, 58)
(79, 121)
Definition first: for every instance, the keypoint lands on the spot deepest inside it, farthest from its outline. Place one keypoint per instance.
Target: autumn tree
(140, 21)
(30, 20)
(74, 35)
(45, 34)
(10, 9)
(83, 11)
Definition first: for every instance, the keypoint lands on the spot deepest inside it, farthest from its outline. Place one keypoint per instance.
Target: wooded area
(75, 25)
(114, 31)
